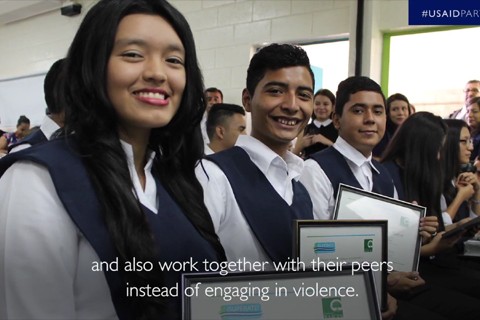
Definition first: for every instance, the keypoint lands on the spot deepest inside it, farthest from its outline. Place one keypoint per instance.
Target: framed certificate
(280, 295)
(361, 243)
(404, 240)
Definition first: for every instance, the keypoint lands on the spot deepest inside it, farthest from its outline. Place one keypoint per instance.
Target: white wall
(224, 30)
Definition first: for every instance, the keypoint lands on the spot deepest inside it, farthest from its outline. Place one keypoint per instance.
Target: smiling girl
(119, 185)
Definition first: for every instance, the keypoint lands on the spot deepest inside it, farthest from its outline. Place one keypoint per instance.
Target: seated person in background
(8, 139)
(397, 111)
(251, 190)
(320, 133)
(55, 113)
(461, 191)
(225, 122)
(473, 121)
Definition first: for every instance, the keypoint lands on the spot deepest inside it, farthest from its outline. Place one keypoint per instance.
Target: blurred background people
(212, 96)
(320, 133)
(473, 121)
(472, 89)
(398, 109)
(225, 122)
(461, 191)
(10, 138)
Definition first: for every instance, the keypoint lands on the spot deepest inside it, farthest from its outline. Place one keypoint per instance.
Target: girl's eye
(175, 60)
(132, 55)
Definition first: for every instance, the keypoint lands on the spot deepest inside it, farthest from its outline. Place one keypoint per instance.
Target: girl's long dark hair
(91, 119)
(451, 160)
(416, 146)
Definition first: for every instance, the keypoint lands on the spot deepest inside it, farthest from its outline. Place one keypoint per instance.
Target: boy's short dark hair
(219, 113)
(49, 87)
(273, 57)
(353, 85)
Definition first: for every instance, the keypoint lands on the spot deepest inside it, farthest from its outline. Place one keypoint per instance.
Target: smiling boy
(252, 190)
(360, 120)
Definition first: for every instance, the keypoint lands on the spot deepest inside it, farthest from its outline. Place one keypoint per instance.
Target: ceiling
(15, 10)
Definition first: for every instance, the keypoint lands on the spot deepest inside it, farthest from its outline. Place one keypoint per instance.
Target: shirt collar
(128, 149)
(352, 154)
(48, 127)
(325, 123)
(208, 150)
(264, 157)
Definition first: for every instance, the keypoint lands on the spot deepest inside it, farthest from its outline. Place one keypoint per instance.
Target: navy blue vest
(176, 238)
(33, 139)
(337, 170)
(269, 216)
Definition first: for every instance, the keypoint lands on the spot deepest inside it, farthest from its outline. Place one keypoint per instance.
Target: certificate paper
(268, 303)
(350, 241)
(403, 222)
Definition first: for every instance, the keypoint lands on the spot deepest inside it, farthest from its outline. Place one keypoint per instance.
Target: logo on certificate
(367, 245)
(332, 308)
(241, 311)
(324, 247)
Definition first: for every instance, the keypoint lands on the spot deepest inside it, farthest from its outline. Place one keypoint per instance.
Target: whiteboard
(22, 96)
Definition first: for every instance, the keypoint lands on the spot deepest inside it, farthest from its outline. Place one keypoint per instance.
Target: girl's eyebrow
(143, 43)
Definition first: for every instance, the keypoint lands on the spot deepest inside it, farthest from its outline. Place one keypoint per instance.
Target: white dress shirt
(45, 261)
(462, 113)
(208, 150)
(203, 128)
(319, 186)
(230, 224)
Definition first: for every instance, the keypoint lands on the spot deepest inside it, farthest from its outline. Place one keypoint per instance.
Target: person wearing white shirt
(317, 182)
(251, 190)
(119, 188)
(360, 119)
(225, 122)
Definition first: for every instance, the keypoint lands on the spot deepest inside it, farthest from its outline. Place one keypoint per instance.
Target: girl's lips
(154, 97)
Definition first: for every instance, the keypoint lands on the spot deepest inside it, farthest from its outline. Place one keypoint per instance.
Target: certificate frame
(325, 240)
(365, 307)
(404, 240)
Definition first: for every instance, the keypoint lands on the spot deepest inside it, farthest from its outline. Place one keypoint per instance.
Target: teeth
(154, 95)
(287, 122)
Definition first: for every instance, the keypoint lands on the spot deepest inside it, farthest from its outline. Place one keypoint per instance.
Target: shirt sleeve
(38, 247)
(447, 220)
(320, 190)
(214, 184)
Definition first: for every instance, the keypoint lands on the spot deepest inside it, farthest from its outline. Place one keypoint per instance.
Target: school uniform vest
(32, 139)
(267, 213)
(337, 170)
(175, 236)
